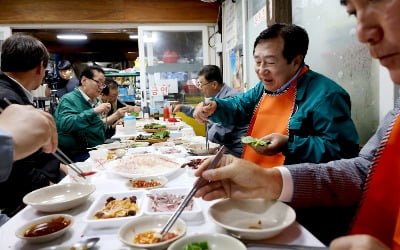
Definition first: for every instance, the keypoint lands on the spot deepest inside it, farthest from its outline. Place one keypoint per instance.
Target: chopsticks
(61, 156)
(67, 161)
(200, 181)
(206, 127)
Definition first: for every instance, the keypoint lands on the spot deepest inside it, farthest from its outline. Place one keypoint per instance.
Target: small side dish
(118, 208)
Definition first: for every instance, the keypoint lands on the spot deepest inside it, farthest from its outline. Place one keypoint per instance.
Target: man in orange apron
(343, 182)
(305, 115)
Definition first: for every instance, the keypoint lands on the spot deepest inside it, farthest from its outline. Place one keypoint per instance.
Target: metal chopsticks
(206, 127)
(67, 161)
(200, 181)
(61, 156)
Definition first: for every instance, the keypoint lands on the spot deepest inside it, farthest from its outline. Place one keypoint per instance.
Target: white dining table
(107, 182)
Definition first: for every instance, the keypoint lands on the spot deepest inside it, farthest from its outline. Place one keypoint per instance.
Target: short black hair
(110, 84)
(295, 39)
(88, 72)
(21, 53)
(64, 64)
(211, 73)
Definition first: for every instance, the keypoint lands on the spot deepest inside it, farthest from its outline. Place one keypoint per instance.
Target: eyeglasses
(100, 84)
(200, 85)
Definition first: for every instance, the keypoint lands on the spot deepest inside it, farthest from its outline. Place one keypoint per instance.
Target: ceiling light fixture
(72, 37)
(133, 36)
(208, 1)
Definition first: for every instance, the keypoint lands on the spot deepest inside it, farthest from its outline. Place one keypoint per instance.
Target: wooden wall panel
(107, 11)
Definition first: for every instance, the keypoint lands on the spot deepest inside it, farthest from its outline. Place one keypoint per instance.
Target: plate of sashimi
(141, 165)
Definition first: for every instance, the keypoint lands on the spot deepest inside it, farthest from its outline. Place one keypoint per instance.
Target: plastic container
(130, 124)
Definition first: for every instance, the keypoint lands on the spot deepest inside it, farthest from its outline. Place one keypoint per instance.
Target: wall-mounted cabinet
(170, 59)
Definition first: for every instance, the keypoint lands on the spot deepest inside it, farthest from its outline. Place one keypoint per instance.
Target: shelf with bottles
(128, 90)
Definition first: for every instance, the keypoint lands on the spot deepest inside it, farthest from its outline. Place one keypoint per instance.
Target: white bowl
(143, 224)
(59, 197)
(200, 148)
(47, 237)
(192, 216)
(214, 240)
(252, 219)
(99, 203)
(160, 179)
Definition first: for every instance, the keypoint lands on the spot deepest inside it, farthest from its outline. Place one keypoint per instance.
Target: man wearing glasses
(78, 116)
(211, 85)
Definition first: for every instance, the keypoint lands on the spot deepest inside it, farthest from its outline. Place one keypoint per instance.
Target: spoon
(86, 243)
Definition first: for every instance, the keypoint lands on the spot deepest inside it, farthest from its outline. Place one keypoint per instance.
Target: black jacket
(30, 173)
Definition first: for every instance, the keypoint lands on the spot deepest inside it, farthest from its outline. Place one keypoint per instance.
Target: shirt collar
(93, 103)
(220, 91)
(27, 92)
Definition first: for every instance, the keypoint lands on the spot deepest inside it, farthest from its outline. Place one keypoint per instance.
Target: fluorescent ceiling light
(133, 36)
(71, 37)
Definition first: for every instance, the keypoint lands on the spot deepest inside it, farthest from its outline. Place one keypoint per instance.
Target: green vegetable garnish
(254, 141)
(203, 245)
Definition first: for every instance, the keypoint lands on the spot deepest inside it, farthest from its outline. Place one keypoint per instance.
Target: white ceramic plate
(59, 197)
(143, 224)
(143, 165)
(252, 219)
(190, 216)
(48, 237)
(160, 179)
(99, 203)
(214, 241)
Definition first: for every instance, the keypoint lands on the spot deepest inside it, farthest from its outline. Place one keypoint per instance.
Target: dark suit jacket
(30, 173)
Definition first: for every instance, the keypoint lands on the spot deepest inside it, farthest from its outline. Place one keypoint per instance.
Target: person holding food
(370, 181)
(118, 108)
(18, 77)
(301, 115)
(211, 85)
(78, 115)
(304, 115)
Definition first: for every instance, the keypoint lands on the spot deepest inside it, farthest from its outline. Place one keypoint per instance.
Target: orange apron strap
(379, 207)
(396, 237)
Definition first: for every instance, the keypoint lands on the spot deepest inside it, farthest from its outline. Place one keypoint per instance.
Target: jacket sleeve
(239, 109)
(336, 183)
(188, 110)
(325, 133)
(6, 155)
(69, 119)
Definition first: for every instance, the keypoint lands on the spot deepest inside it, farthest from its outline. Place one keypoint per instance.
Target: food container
(100, 202)
(194, 216)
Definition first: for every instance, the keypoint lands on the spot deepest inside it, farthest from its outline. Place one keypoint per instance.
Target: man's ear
(40, 69)
(298, 60)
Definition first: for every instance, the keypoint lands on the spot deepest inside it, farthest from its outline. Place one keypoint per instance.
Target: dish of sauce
(47, 227)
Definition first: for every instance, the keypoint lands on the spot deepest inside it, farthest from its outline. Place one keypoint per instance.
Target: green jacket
(321, 128)
(78, 126)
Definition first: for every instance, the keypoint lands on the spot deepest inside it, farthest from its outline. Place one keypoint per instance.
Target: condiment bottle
(166, 112)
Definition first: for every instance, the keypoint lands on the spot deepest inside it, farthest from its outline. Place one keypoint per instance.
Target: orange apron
(272, 115)
(378, 213)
